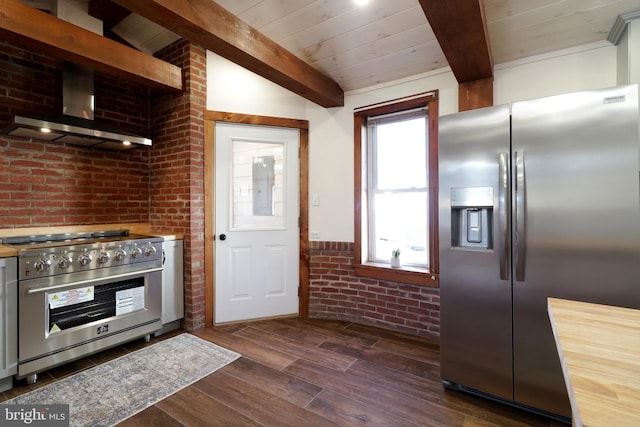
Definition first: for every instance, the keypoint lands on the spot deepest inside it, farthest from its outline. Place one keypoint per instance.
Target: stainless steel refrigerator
(537, 199)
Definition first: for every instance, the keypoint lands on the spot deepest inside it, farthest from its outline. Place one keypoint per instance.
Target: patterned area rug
(114, 391)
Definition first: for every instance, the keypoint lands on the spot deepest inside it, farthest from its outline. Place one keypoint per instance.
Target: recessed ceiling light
(361, 2)
(45, 130)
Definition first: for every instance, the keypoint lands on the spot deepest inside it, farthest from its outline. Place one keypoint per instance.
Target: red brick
(336, 293)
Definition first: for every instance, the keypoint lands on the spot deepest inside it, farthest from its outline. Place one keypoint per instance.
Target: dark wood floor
(314, 373)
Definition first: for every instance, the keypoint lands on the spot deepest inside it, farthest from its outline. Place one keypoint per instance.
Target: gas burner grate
(62, 237)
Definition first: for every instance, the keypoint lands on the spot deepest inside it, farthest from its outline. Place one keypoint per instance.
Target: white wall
(588, 67)
(233, 89)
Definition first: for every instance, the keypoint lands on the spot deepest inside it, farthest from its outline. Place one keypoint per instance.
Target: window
(397, 181)
(396, 189)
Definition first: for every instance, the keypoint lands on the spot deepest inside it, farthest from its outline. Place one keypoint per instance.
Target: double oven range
(80, 293)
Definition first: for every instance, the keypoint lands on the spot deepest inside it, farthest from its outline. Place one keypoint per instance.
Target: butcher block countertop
(137, 228)
(7, 251)
(599, 348)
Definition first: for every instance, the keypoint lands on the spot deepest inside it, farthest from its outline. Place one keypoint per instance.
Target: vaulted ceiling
(360, 46)
(320, 48)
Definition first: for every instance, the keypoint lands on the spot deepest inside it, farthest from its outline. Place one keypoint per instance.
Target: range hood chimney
(76, 123)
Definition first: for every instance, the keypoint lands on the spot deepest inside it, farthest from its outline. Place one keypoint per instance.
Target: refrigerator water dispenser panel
(474, 225)
(472, 217)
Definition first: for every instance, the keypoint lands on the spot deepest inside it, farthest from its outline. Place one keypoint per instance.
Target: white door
(256, 221)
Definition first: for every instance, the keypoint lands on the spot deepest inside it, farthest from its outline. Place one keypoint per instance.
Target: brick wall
(122, 104)
(337, 293)
(29, 82)
(47, 183)
(177, 170)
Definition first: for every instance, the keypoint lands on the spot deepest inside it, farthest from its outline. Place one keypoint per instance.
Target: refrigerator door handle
(520, 217)
(503, 205)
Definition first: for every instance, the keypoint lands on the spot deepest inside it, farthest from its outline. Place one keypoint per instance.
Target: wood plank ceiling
(207, 24)
(361, 46)
(388, 40)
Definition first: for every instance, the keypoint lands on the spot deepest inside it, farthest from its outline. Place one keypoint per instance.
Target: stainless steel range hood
(75, 125)
(74, 131)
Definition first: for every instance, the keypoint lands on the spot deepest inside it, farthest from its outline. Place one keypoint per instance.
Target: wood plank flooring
(314, 373)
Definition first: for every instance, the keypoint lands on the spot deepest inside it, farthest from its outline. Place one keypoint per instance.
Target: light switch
(315, 200)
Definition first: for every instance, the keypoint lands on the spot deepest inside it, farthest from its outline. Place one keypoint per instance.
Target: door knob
(223, 237)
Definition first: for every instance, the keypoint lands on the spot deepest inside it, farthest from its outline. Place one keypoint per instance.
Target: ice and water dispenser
(472, 217)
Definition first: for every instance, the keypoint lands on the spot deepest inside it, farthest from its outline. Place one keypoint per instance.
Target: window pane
(401, 158)
(401, 222)
(257, 176)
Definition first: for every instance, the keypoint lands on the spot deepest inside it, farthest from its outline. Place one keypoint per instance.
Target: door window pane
(257, 177)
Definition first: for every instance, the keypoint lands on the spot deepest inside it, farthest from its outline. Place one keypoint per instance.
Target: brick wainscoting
(335, 292)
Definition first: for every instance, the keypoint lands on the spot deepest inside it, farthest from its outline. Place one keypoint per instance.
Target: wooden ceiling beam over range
(46, 33)
(460, 28)
(111, 15)
(108, 12)
(209, 25)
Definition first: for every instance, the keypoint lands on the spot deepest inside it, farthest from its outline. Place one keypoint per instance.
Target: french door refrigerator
(537, 199)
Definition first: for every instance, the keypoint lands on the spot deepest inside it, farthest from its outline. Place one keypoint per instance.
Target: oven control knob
(119, 255)
(42, 264)
(136, 251)
(149, 250)
(85, 259)
(65, 261)
(103, 257)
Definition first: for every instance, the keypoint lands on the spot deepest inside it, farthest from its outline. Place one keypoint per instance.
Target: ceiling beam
(43, 32)
(207, 24)
(459, 27)
(108, 12)
(475, 94)
(111, 15)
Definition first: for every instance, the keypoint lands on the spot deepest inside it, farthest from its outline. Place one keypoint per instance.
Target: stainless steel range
(81, 293)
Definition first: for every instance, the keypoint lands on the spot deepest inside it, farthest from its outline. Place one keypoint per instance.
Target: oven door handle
(84, 282)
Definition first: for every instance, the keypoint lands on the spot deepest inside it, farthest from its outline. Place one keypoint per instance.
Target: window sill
(404, 274)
